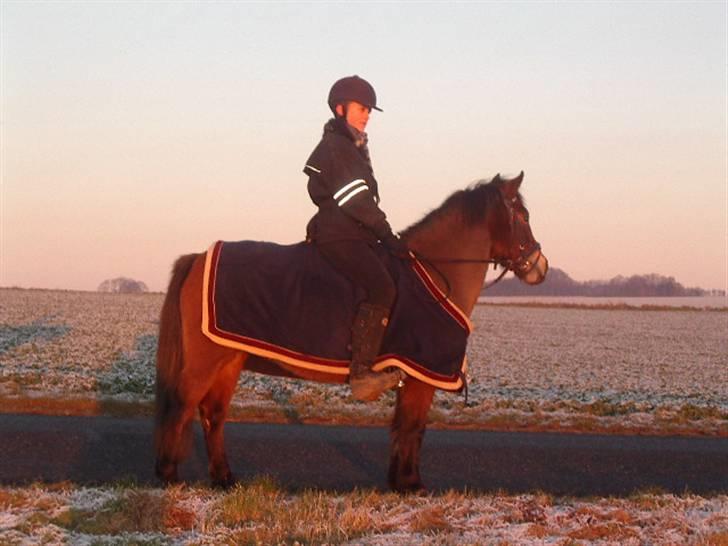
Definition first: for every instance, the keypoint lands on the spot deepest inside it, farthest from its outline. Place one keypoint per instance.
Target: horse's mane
(472, 204)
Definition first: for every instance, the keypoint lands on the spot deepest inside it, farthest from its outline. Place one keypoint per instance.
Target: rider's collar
(339, 124)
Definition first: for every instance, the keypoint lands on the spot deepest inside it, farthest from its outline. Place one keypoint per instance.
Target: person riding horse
(349, 224)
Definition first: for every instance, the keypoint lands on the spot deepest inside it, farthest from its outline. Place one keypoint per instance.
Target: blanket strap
(464, 389)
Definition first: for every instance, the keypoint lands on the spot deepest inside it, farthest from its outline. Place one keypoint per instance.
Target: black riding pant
(358, 262)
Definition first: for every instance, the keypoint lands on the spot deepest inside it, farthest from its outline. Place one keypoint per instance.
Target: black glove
(396, 246)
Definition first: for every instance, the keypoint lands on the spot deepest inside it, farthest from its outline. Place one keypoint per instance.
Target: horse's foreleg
(408, 429)
(213, 411)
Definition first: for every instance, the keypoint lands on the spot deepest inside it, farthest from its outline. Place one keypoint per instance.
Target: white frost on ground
(652, 357)
(9, 521)
(102, 330)
(90, 499)
(623, 367)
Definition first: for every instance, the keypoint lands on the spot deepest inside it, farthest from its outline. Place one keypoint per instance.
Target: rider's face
(357, 115)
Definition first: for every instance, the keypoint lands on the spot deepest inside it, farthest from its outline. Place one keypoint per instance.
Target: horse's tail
(168, 405)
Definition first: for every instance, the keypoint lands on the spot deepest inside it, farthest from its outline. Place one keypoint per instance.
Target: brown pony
(483, 224)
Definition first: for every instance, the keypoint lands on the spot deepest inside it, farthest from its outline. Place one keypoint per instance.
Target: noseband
(522, 266)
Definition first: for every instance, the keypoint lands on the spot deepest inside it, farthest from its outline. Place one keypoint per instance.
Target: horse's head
(514, 246)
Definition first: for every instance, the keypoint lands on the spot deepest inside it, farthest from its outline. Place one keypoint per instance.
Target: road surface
(95, 450)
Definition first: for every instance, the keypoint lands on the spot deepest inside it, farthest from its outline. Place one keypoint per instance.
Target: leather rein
(432, 261)
(520, 265)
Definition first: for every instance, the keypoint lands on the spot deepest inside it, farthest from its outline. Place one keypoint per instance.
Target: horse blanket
(286, 303)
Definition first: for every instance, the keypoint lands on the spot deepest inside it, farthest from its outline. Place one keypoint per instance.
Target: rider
(349, 223)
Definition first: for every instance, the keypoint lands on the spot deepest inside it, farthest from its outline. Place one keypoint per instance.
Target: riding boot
(367, 334)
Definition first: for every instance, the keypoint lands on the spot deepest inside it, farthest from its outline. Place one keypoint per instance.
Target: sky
(134, 132)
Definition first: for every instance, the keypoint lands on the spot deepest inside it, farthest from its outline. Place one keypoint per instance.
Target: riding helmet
(352, 88)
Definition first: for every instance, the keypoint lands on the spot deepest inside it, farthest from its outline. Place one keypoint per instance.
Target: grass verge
(261, 512)
(590, 419)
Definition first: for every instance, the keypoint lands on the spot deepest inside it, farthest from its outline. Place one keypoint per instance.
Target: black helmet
(352, 88)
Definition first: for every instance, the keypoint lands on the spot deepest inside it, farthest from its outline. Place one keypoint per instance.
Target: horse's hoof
(228, 482)
(410, 489)
(167, 473)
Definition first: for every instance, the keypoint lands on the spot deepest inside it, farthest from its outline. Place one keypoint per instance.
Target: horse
(485, 223)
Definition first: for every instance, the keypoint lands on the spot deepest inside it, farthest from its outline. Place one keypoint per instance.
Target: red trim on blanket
(424, 371)
(211, 284)
(439, 296)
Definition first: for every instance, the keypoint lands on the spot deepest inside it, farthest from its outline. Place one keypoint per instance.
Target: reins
(520, 265)
(432, 261)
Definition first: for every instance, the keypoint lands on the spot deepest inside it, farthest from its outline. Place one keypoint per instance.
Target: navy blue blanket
(287, 303)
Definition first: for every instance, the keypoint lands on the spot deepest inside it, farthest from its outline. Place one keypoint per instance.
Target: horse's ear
(517, 181)
(510, 188)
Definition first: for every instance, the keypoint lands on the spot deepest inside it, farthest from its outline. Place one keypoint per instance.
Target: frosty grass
(262, 514)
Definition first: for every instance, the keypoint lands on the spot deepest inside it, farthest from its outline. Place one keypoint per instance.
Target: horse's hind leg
(408, 429)
(213, 411)
(173, 442)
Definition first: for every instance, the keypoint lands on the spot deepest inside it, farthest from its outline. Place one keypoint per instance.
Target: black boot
(367, 334)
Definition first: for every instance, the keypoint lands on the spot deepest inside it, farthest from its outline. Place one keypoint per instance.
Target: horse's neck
(448, 240)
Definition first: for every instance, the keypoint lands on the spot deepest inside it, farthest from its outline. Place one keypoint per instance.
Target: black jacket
(342, 184)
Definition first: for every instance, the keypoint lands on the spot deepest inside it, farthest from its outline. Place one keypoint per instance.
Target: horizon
(133, 133)
(508, 276)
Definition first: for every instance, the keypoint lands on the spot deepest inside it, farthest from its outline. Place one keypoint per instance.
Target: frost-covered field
(529, 367)
(261, 513)
(61, 343)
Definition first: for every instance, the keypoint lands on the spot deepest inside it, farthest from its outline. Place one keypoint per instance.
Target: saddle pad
(286, 303)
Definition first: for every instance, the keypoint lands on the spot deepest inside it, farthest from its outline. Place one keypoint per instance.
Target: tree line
(558, 283)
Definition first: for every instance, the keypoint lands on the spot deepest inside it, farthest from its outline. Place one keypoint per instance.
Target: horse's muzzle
(539, 266)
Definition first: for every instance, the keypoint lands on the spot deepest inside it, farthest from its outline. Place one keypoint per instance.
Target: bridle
(521, 265)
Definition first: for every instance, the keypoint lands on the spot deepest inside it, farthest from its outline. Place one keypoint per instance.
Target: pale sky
(133, 132)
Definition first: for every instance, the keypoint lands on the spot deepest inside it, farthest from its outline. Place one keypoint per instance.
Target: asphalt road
(93, 450)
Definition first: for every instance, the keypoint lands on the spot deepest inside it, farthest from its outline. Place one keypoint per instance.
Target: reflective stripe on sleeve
(350, 186)
(352, 194)
(350, 190)
(314, 169)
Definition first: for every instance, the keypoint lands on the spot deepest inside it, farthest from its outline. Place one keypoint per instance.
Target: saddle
(286, 303)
